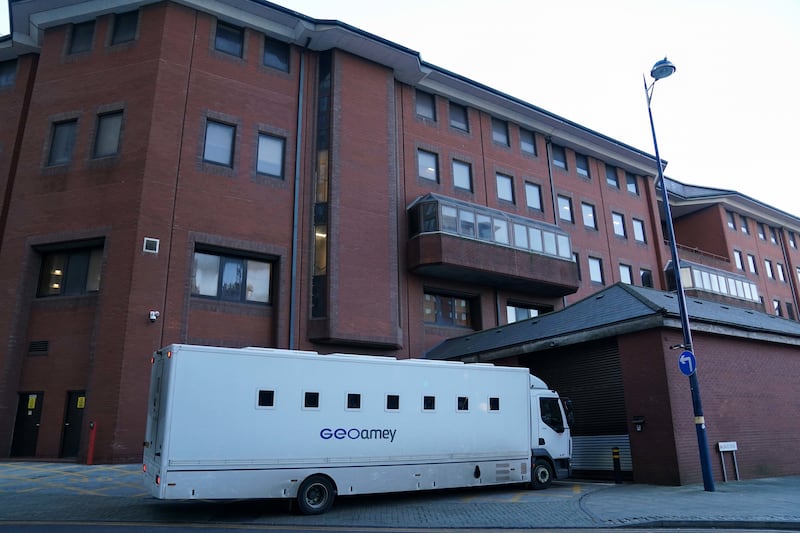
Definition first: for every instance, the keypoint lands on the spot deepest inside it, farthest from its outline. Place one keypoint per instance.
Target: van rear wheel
(542, 475)
(316, 495)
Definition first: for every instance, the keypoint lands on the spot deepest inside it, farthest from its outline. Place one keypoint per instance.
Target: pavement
(34, 492)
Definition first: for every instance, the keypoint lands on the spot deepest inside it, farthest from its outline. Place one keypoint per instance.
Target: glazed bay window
(70, 272)
(229, 39)
(270, 155)
(446, 310)
(62, 142)
(231, 278)
(219, 143)
(109, 126)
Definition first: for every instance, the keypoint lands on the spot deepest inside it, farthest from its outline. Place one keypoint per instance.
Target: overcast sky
(728, 118)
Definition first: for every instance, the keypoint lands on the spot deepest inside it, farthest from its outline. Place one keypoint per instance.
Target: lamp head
(662, 69)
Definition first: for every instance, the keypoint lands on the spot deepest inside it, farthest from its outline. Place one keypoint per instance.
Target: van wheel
(542, 475)
(316, 495)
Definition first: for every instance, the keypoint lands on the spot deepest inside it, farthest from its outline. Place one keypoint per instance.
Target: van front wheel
(542, 474)
(316, 495)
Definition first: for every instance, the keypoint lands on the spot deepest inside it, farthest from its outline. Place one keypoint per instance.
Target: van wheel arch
(316, 494)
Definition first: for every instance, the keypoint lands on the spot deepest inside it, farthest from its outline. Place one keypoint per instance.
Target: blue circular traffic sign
(687, 363)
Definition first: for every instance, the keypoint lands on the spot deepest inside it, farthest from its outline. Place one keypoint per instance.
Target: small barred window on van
(494, 404)
(266, 398)
(463, 403)
(429, 403)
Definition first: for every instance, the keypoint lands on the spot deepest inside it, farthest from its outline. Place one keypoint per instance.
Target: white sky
(727, 118)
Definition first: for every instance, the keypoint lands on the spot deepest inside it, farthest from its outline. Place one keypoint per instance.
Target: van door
(554, 433)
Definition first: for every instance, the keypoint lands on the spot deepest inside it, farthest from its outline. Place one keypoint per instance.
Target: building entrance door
(73, 419)
(26, 427)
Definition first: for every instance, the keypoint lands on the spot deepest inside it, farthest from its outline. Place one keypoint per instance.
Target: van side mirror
(567, 403)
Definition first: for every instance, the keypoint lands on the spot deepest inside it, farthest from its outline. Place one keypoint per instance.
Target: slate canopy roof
(616, 310)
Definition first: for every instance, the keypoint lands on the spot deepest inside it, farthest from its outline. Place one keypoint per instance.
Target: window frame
(458, 176)
(243, 262)
(225, 41)
(500, 134)
(533, 188)
(81, 41)
(639, 233)
(593, 215)
(74, 272)
(228, 128)
(632, 183)
(438, 310)
(528, 146)
(508, 180)
(596, 274)
(125, 27)
(430, 169)
(103, 120)
(612, 176)
(62, 127)
(624, 270)
(8, 73)
(568, 206)
(425, 105)
(618, 225)
(276, 54)
(269, 137)
(582, 170)
(559, 156)
(456, 122)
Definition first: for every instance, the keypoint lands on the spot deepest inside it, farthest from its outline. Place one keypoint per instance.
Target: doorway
(73, 420)
(26, 427)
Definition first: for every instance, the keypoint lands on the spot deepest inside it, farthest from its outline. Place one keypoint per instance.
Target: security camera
(154, 315)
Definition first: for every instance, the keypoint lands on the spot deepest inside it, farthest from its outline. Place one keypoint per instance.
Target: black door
(26, 428)
(73, 418)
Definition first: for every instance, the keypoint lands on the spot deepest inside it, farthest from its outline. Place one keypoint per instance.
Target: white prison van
(269, 423)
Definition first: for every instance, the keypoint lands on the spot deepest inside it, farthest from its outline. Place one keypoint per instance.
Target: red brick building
(239, 174)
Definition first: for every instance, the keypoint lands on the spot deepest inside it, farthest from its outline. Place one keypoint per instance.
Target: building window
(626, 274)
(737, 256)
(533, 195)
(229, 39)
(745, 226)
(517, 312)
(781, 272)
(761, 231)
(646, 277)
(792, 241)
(773, 235)
(751, 263)
(462, 175)
(618, 221)
(768, 269)
(731, 217)
(62, 142)
(632, 183)
(270, 155)
(638, 231)
(109, 126)
(527, 141)
(582, 165)
(276, 54)
(565, 208)
(459, 118)
(500, 131)
(611, 176)
(81, 37)
(70, 272)
(231, 278)
(125, 26)
(789, 310)
(798, 273)
(8, 73)
(776, 305)
(426, 105)
(559, 156)
(428, 165)
(596, 269)
(505, 187)
(219, 143)
(589, 219)
(576, 258)
(445, 310)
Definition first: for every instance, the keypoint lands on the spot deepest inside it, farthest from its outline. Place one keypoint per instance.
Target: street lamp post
(663, 69)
